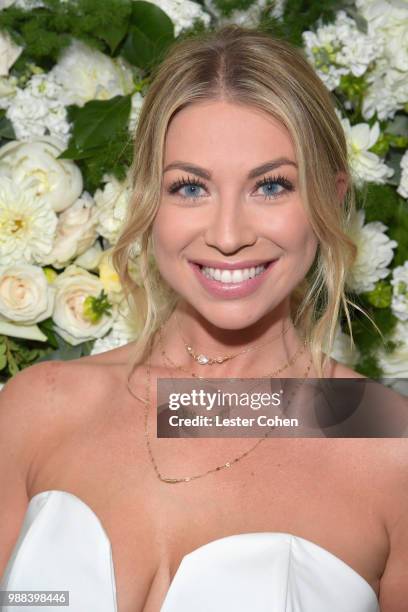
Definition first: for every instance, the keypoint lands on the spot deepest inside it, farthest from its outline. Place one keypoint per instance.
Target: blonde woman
(241, 200)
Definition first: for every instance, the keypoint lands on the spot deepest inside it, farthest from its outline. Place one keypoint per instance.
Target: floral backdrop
(73, 74)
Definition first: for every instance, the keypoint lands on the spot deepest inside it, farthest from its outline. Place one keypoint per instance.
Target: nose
(230, 226)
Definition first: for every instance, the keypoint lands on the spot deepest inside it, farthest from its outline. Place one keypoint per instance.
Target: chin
(229, 316)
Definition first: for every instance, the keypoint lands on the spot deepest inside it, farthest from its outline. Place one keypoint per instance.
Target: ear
(342, 184)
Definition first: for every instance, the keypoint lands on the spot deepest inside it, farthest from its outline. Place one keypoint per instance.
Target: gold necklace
(228, 464)
(203, 359)
(273, 374)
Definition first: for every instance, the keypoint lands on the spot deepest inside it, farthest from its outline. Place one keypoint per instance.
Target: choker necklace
(273, 374)
(203, 359)
(228, 464)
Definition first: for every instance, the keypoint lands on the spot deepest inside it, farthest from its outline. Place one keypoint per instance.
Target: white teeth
(232, 276)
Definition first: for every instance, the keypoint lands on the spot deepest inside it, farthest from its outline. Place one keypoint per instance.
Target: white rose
(91, 258)
(9, 53)
(73, 286)
(112, 203)
(76, 231)
(26, 298)
(87, 74)
(59, 181)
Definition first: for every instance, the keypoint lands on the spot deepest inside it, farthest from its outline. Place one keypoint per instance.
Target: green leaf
(97, 123)
(150, 33)
(74, 153)
(6, 128)
(114, 35)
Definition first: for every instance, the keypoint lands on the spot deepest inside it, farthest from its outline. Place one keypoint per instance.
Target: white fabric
(63, 546)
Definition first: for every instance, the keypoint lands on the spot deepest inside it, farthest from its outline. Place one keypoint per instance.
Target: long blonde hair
(249, 67)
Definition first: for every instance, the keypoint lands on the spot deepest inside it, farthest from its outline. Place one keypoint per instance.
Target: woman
(240, 164)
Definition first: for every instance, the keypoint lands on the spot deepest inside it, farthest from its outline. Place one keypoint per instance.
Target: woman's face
(218, 214)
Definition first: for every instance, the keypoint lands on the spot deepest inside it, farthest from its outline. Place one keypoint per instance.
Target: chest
(316, 489)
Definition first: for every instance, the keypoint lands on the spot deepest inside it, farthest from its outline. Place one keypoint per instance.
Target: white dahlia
(365, 165)
(27, 223)
(373, 255)
(395, 364)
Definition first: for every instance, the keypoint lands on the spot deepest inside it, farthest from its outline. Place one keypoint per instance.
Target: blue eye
(191, 184)
(272, 183)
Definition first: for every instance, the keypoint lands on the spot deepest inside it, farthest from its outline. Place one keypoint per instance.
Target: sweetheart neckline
(211, 542)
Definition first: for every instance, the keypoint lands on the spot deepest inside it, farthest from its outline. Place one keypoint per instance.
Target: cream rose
(73, 287)
(58, 181)
(91, 258)
(26, 298)
(76, 231)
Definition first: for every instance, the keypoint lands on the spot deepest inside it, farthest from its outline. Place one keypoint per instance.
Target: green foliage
(17, 354)
(151, 32)
(381, 295)
(44, 33)
(301, 15)
(6, 128)
(100, 142)
(382, 203)
(226, 7)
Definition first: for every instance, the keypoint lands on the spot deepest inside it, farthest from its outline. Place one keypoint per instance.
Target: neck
(270, 347)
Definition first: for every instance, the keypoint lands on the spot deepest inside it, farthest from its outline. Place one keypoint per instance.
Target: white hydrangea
(387, 92)
(27, 223)
(87, 74)
(137, 102)
(124, 330)
(24, 4)
(250, 17)
(340, 48)
(374, 253)
(182, 13)
(399, 304)
(38, 110)
(365, 165)
(112, 203)
(403, 186)
(395, 364)
(388, 22)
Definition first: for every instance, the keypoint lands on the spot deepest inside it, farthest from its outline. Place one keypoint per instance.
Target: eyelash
(279, 179)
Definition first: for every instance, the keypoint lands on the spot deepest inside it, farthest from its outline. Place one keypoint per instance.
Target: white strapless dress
(63, 546)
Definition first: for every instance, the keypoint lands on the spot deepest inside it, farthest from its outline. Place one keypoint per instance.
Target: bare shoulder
(50, 396)
(339, 370)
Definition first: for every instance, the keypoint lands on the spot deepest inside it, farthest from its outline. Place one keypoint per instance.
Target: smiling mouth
(226, 276)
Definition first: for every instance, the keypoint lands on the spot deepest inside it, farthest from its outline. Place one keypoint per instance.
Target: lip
(232, 290)
(227, 265)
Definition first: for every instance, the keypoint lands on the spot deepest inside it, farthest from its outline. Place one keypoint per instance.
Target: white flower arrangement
(58, 227)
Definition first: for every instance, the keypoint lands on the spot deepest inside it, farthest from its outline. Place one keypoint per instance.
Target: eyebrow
(266, 167)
